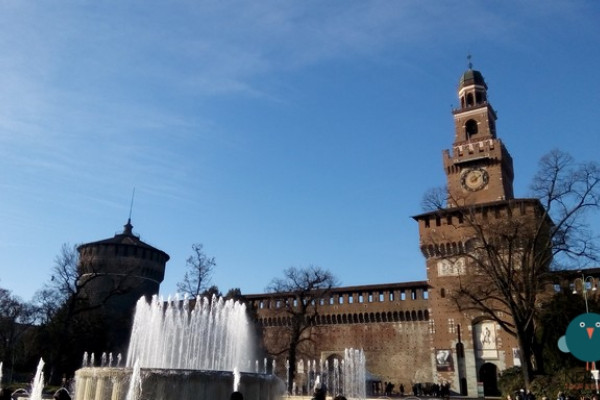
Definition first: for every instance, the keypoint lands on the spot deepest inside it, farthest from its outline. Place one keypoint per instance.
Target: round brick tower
(115, 273)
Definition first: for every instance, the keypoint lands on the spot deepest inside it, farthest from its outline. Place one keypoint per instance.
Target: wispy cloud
(98, 97)
(88, 87)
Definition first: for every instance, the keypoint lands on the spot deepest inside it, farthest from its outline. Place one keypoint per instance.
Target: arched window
(471, 128)
(470, 99)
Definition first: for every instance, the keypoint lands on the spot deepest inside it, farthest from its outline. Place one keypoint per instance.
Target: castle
(411, 332)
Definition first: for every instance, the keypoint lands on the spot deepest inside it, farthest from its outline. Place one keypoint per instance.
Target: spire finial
(131, 204)
(469, 59)
(128, 227)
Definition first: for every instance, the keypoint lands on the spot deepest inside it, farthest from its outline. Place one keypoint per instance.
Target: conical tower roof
(127, 237)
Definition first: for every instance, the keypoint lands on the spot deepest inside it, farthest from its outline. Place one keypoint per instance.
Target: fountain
(347, 375)
(354, 374)
(181, 352)
(38, 382)
(37, 385)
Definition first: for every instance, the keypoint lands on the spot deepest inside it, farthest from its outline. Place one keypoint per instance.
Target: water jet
(180, 351)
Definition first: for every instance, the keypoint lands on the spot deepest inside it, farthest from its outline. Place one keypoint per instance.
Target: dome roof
(471, 77)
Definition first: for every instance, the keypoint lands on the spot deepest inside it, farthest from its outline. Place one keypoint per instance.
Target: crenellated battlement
(469, 150)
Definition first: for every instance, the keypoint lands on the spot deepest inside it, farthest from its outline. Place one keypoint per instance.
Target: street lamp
(584, 280)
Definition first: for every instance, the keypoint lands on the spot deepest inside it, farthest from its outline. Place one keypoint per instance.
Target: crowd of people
(528, 395)
(522, 395)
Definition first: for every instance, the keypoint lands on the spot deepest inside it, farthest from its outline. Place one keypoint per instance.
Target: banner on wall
(443, 360)
(516, 356)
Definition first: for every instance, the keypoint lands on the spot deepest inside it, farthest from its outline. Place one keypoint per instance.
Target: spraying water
(0, 376)
(38, 382)
(354, 374)
(336, 377)
(236, 379)
(181, 350)
(215, 335)
(135, 383)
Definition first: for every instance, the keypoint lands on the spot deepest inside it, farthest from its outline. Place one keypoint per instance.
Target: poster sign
(443, 360)
(451, 268)
(516, 357)
(480, 392)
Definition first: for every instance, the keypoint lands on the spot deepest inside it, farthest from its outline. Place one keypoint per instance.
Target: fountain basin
(107, 383)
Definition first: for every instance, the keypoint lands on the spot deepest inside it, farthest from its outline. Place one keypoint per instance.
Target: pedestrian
(319, 394)
(236, 396)
(61, 394)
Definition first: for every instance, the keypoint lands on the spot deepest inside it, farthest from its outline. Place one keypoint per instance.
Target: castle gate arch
(488, 374)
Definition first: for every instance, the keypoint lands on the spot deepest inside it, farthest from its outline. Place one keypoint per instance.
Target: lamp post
(584, 280)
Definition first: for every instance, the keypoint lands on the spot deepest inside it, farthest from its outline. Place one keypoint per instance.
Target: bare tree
(300, 293)
(512, 254)
(63, 284)
(16, 318)
(74, 313)
(197, 277)
(434, 198)
(212, 292)
(69, 278)
(235, 294)
(569, 191)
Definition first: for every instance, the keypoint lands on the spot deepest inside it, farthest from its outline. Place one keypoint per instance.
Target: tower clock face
(474, 179)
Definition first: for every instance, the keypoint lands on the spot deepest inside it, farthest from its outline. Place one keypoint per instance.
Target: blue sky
(275, 133)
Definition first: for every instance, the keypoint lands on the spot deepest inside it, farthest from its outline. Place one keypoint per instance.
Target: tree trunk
(294, 339)
(524, 340)
(292, 368)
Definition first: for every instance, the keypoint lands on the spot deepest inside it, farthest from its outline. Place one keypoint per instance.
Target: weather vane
(469, 59)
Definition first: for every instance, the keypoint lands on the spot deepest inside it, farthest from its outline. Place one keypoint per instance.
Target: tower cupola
(475, 118)
(472, 89)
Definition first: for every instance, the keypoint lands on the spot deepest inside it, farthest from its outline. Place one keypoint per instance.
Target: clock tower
(478, 168)
(479, 173)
